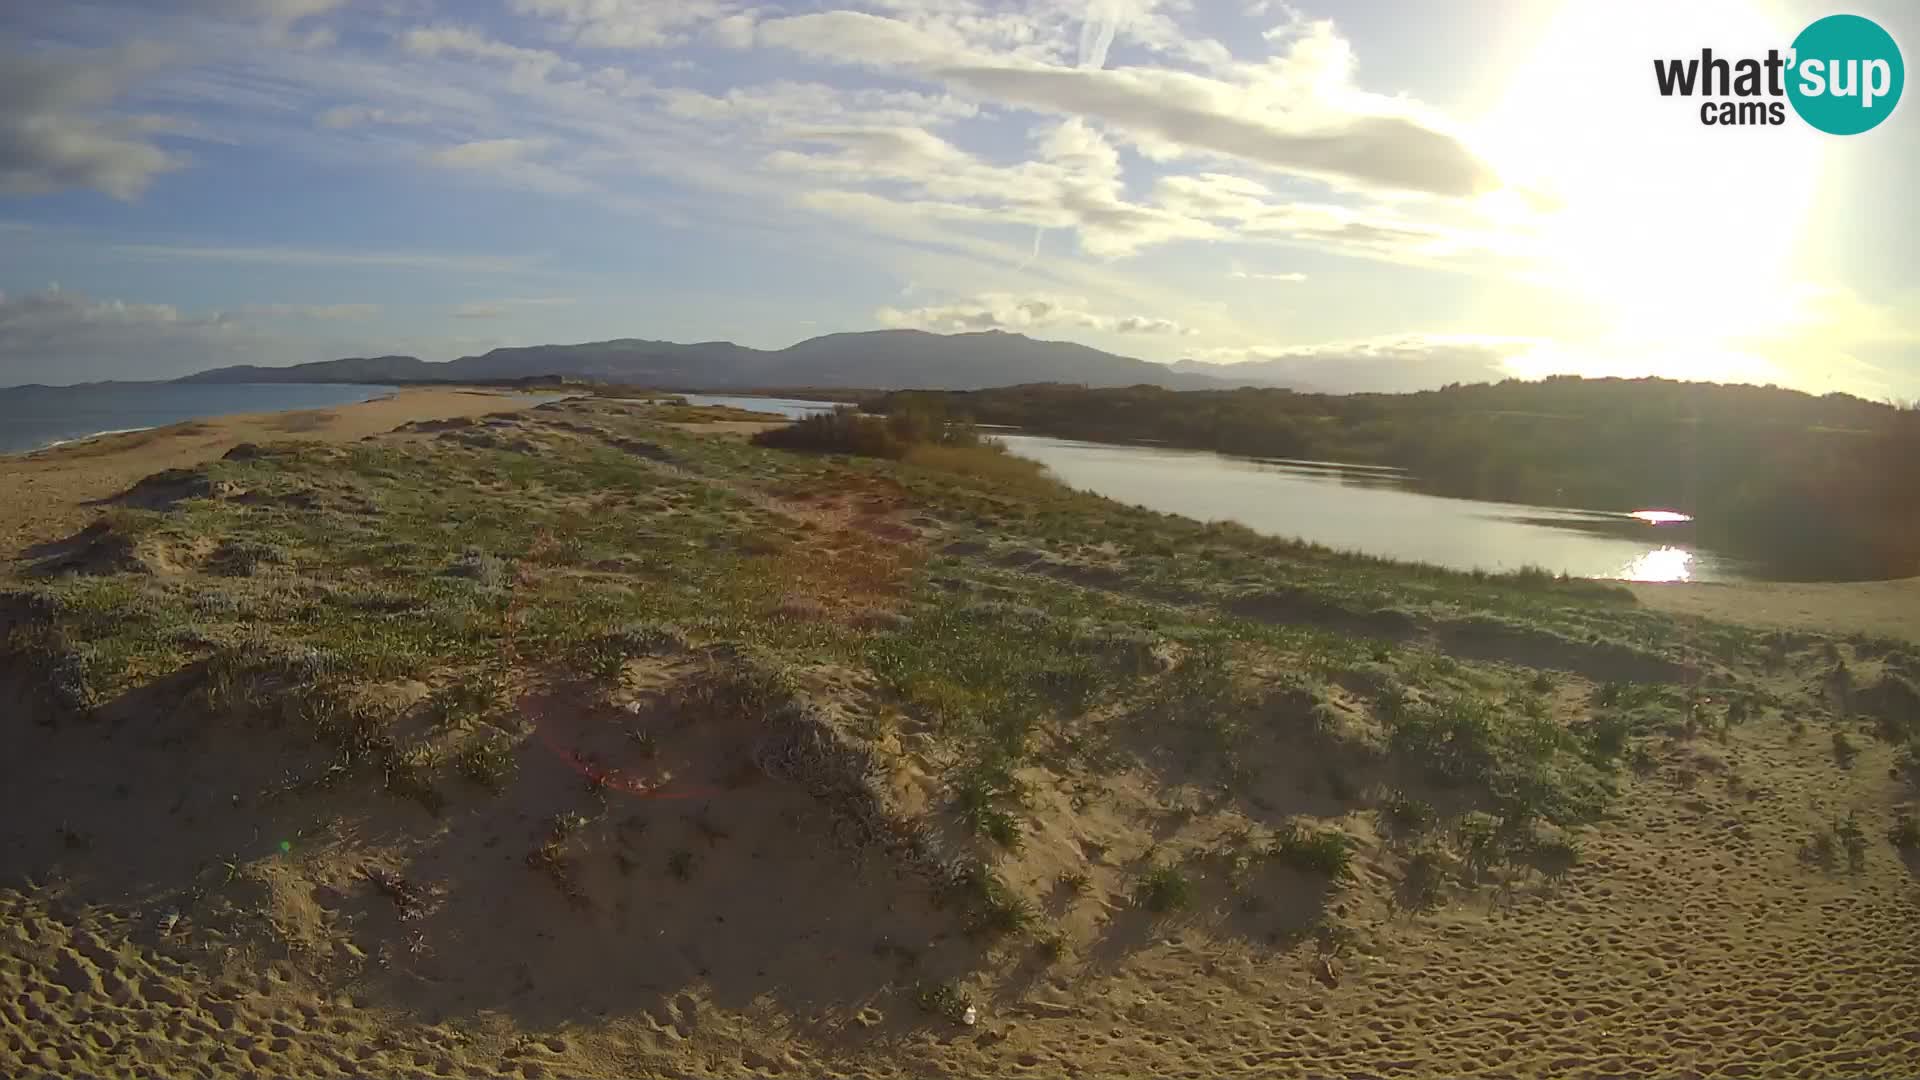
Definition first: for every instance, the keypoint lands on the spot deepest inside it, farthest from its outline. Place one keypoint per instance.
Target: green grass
(1163, 889)
(987, 905)
(1327, 853)
(489, 762)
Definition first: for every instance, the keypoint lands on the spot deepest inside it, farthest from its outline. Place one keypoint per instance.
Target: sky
(1350, 193)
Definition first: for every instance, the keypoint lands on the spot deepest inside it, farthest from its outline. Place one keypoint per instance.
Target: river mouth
(1370, 509)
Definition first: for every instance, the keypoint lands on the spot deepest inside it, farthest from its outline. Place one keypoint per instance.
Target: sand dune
(231, 859)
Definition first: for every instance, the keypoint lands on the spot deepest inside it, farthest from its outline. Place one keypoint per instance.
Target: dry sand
(1880, 608)
(49, 493)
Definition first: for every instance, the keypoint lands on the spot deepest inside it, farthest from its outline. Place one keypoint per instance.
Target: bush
(1402, 813)
(989, 906)
(1327, 853)
(846, 430)
(1163, 889)
(488, 762)
(1905, 832)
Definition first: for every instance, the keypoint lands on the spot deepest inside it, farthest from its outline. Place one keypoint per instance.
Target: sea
(34, 417)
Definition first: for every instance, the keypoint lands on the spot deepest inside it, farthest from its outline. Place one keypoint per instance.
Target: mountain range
(889, 359)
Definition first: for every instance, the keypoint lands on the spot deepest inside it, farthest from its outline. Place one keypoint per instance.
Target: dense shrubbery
(1817, 486)
(847, 430)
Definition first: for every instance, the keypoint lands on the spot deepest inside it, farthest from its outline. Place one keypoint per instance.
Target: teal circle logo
(1846, 75)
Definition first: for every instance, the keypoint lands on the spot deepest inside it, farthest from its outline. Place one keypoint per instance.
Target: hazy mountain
(884, 359)
(354, 369)
(1250, 373)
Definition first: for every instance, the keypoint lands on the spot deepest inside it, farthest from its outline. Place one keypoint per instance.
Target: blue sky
(1358, 193)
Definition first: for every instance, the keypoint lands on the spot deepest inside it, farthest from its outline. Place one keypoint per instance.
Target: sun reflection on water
(1660, 517)
(1660, 564)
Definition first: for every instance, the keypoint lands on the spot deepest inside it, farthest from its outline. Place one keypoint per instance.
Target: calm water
(35, 416)
(1365, 508)
(1371, 509)
(791, 408)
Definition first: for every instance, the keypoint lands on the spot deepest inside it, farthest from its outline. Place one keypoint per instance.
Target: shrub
(1327, 853)
(488, 762)
(1163, 889)
(974, 796)
(1905, 832)
(1423, 882)
(680, 864)
(989, 906)
(845, 430)
(475, 698)
(942, 999)
(1402, 813)
(1853, 840)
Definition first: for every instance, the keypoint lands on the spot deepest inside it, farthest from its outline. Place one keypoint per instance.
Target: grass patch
(1163, 889)
(1328, 853)
(489, 762)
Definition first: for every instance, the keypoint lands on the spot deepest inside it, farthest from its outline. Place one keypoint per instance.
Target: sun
(1675, 238)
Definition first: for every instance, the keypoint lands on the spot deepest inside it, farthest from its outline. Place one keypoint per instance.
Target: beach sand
(1690, 941)
(1878, 608)
(52, 492)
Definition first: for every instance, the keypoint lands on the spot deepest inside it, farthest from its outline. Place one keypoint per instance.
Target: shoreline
(81, 439)
(166, 417)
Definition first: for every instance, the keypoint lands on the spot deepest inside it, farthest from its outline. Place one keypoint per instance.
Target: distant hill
(894, 359)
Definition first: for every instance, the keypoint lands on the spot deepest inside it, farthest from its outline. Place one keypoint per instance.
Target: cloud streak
(1006, 311)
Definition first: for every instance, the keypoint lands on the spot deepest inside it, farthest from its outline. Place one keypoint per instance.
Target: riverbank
(50, 493)
(363, 758)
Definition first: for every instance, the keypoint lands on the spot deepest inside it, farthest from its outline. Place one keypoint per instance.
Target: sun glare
(1675, 239)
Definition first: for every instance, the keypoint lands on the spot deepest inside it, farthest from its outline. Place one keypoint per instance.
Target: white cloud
(528, 65)
(1299, 112)
(631, 24)
(509, 160)
(1076, 185)
(57, 130)
(1005, 311)
(484, 153)
(1249, 275)
(732, 32)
